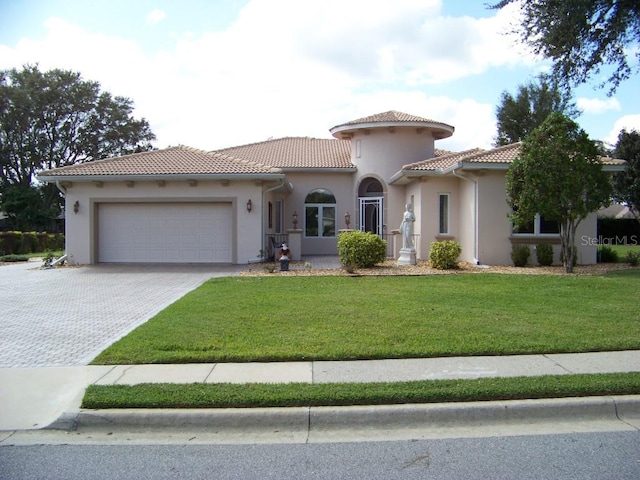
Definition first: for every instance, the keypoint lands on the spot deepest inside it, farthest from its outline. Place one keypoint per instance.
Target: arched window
(320, 213)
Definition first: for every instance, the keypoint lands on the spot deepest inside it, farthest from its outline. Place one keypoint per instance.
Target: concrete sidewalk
(33, 398)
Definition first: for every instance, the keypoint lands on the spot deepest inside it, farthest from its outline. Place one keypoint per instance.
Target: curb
(620, 409)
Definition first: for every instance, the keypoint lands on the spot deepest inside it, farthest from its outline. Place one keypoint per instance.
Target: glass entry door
(371, 215)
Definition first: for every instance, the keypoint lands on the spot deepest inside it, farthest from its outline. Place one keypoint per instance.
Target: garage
(165, 232)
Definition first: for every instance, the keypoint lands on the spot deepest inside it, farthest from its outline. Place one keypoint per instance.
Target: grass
(341, 318)
(622, 250)
(201, 395)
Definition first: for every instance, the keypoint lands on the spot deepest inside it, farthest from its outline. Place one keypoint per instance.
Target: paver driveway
(66, 316)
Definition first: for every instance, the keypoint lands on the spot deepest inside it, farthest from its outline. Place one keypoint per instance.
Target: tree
(24, 208)
(517, 117)
(558, 175)
(582, 36)
(626, 185)
(54, 119)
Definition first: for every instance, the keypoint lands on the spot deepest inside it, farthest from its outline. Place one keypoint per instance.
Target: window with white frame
(443, 228)
(538, 226)
(320, 213)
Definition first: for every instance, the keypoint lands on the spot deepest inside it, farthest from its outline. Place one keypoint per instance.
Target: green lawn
(277, 318)
(201, 395)
(624, 249)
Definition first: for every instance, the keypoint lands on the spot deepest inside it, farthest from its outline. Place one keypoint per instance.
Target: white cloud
(155, 17)
(597, 105)
(628, 122)
(292, 68)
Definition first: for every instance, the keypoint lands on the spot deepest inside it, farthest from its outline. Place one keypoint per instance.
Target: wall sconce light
(249, 206)
(76, 207)
(295, 220)
(347, 219)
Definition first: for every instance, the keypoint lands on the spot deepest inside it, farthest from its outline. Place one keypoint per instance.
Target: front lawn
(278, 318)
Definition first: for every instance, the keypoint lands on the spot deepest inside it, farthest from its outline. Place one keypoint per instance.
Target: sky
(218, 73)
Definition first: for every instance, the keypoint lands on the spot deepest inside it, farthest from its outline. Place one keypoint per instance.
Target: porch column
(295, 243)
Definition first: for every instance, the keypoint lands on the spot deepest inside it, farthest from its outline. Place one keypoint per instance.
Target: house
(183, 205)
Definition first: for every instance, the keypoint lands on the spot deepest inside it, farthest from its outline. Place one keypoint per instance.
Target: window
(320, 214)
(279, 216)
(538, 226)
(443, 228)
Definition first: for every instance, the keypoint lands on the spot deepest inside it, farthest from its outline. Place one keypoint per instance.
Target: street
(584, 456)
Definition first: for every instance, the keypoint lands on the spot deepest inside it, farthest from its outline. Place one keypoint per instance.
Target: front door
(371, 215)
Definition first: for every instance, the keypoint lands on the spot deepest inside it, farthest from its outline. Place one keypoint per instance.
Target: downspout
(475, 214)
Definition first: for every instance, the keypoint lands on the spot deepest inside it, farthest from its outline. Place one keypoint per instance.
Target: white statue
(406, 227)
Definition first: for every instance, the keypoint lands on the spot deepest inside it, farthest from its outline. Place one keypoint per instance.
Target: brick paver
(66, 316)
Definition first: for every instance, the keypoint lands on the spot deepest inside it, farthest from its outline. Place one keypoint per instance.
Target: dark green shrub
(632, 258)
(11, 243)
(30, 243)
(361, 249)
(544, 254)
(444, 255)
(520, 254)
(607, 254)
(14, 258)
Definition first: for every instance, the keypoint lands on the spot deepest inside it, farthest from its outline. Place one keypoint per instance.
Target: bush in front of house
(361, 249)
(520, 255)
(606, 254)
(444, 255)
(544, 254)
(632, 258)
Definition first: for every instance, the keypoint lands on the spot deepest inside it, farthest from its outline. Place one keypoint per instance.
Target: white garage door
(165, 232)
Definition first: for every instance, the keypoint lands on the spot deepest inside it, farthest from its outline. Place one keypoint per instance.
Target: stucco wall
(385, 153)
(341, 185)
(494, 228)
(81, 228)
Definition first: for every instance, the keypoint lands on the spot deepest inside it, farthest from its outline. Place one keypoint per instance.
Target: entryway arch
(370, 204)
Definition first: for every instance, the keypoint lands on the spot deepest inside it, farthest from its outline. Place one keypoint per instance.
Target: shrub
(14, 258)
(444, 255)
(632, 258)
(544, 254)
(361, 249)
(607, 254)
(520, 255)
(30, 243)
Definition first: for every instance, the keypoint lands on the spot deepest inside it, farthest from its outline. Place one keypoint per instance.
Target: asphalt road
(582, 456)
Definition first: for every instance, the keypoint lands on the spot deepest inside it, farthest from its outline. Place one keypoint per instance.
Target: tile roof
(442, 162)
(173, 160)
(387, 117)
(393, 119)
(296, 152)
(503, 155)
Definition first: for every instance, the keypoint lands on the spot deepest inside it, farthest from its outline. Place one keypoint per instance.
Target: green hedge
(19, 243)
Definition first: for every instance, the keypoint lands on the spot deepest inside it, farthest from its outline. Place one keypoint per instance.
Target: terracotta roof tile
(172, 160)
(386, 117)
(296, 152)
(441, 162)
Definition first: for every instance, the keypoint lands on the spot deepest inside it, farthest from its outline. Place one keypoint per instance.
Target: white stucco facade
(181, 204)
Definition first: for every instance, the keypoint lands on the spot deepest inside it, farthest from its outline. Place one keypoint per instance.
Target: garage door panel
(165, 232)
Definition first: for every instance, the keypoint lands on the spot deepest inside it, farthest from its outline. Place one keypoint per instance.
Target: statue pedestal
(407, 256)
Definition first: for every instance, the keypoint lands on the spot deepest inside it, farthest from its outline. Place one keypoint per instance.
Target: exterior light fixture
(76, 207)
(347, 219)
(295, 220)
(249, 206)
